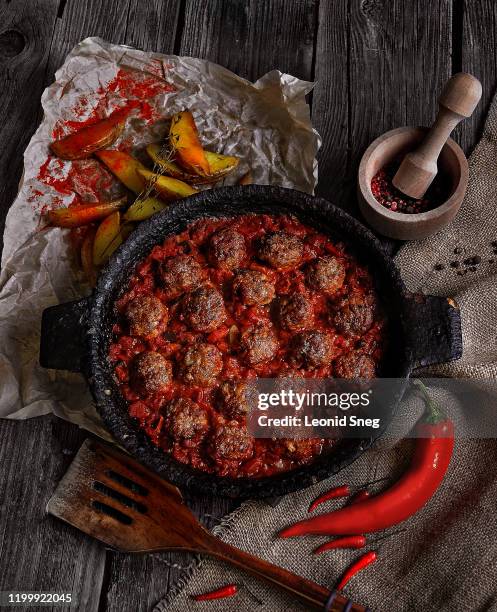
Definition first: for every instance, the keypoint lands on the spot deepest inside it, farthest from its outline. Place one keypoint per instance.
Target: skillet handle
(62, 335)
(435, 324)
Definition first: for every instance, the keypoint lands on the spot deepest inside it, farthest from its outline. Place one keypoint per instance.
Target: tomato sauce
(269, 456)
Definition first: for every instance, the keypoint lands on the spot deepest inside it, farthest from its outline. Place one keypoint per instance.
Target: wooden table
(377, 65)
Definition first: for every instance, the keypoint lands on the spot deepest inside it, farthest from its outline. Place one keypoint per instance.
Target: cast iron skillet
(75, 336)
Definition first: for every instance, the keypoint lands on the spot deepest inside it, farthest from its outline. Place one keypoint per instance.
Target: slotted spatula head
(111, 497)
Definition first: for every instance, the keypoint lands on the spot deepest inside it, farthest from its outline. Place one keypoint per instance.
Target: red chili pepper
(431, 460)
(361, 563)
(357, 541)
(335, 493)
(226, 591)
(360, 496)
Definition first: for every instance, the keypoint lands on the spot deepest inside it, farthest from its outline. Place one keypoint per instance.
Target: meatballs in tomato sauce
(303, 450)
(354, 365)
(310, 349)
(203, 309)
(281, 250)
(222, 301)
(326, 274)
(186, 420)
(201, 364)
(146, 315)
(179, 274)
(232, 442)
(353, 315)
(233, 398)
(294, 312)
(253, 287)
(227, 249)
(258, 344)
(150, 373)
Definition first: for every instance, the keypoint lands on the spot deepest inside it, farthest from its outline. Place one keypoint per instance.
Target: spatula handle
(313, 595)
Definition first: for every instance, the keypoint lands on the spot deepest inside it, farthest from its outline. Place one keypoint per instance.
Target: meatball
(227, 249)
(232, 441)
(150, 373)
(353, 315)
(258, 344)
(281, 250)
(300, 450)
(294, 312)
(310, 349)
(326, 274)
(233, 397)
(179, 274)
(354, 365)
(253, 287)
(203, 309)
(200, 364)
(145, 315)
(185, 419)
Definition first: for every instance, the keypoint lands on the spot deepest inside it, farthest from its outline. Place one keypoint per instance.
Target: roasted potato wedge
(124, 166)
(75, 216)
(124, 231)
(107, 238)
(219, 166)
(87, 258)
(167, 187)
(143, 209)
(169, 167)
(183, 137)
(86, 141)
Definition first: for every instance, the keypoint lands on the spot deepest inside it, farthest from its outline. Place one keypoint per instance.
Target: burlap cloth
(447, 557)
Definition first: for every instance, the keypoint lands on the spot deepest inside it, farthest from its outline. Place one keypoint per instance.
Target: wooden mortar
(395, 145)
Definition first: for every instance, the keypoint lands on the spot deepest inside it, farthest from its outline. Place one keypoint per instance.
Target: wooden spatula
(113, 498)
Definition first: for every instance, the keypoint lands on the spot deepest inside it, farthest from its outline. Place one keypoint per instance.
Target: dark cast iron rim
(228, 202)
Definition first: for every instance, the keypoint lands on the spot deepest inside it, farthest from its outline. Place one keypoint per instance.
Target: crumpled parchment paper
(267, 124)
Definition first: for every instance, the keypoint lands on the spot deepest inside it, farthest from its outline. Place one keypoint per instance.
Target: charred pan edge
(229, 202)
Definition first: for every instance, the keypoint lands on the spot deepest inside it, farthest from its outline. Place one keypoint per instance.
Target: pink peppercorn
(390, 197)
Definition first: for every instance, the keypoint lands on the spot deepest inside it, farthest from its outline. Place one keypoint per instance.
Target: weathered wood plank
(78, 20)
(38, 552)
(396, 56)
(252, 37)
(330, 101)
(24, 46)
(479, 57)
(152, 25)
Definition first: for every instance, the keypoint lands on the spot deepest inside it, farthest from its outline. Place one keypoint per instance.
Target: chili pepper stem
(434, 413)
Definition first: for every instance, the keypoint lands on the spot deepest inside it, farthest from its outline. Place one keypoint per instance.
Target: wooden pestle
(459, 98)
